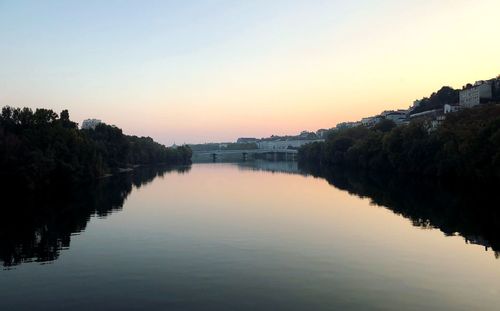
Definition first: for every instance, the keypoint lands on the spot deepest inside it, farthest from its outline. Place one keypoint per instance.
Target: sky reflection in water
(244, 236)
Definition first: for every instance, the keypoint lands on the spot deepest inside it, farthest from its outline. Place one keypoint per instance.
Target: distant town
(432, 110)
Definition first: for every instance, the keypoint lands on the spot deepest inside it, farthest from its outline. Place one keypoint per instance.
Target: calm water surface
(238, 237)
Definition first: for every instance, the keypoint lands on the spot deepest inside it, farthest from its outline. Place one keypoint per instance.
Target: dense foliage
(437, 100)
(467, 144)
(42, 147)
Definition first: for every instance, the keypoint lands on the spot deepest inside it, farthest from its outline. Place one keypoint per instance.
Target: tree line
(41, 147)
(466, 144)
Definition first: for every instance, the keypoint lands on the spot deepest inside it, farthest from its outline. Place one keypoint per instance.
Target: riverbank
(465, 146)
(41, 147)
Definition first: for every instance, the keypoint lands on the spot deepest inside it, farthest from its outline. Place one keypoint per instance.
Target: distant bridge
(270, 154)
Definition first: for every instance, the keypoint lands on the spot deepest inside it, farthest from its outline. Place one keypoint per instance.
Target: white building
(90, 124)
(397, 116)
(451, 108)
(321, 133)
(371, 121)
(346, 125)
(246, 140)
(471, 96)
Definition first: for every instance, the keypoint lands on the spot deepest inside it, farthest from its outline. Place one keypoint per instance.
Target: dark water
(257, 235)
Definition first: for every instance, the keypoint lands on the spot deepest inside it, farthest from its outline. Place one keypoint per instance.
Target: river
(246, 236)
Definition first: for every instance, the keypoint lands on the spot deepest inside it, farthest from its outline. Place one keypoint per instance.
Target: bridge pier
(214, 157)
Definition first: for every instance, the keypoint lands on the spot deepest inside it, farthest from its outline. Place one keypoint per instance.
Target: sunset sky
(201, 71)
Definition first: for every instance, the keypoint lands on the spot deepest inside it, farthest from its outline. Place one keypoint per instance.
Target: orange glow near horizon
(251, 70)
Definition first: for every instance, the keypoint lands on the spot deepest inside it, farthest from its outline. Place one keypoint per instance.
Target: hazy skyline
(203, 71)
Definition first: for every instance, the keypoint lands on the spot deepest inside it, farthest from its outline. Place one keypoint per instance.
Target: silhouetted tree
(40, 147)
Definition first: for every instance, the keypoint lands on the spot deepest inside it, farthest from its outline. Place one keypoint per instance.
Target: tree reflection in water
(37, 226)
(466, 209)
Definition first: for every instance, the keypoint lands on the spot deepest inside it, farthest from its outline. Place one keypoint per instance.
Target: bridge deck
(250, 151)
